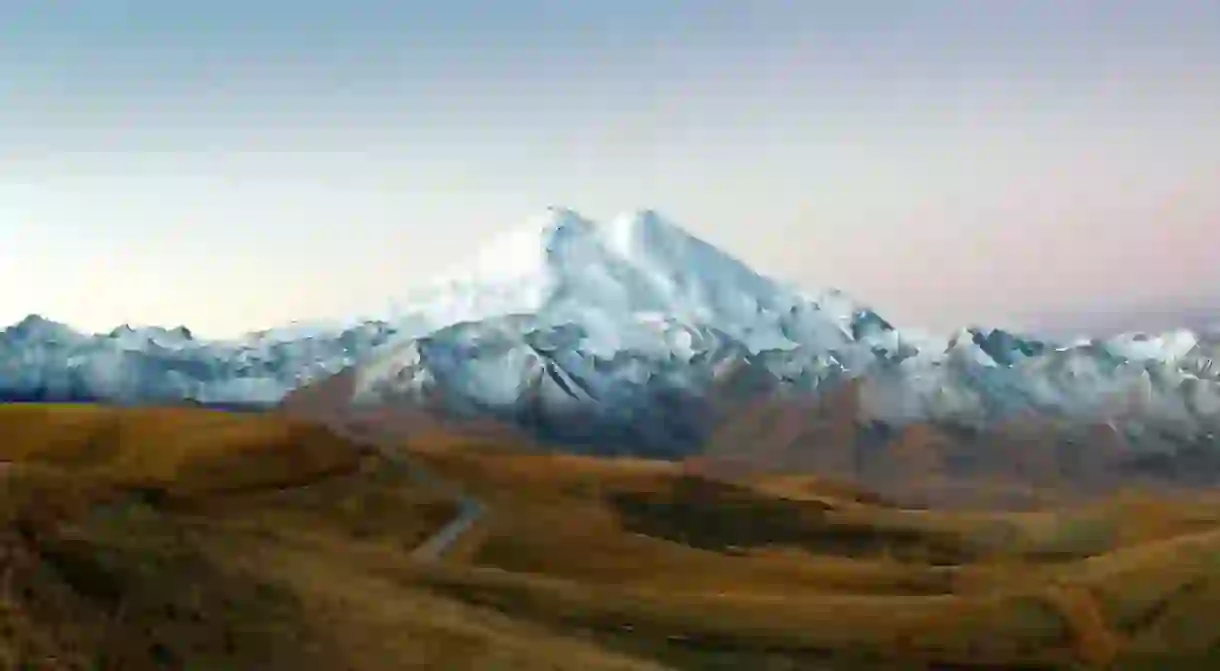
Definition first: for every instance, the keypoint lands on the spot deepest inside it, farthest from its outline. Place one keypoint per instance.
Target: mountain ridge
(636, 331)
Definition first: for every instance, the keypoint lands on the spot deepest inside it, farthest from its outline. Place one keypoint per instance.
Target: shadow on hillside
(724, 517)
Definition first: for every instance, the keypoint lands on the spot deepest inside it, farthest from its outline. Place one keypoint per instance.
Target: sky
(1044, 164)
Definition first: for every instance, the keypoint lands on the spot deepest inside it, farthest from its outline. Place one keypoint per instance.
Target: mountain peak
(554, 222)
(37, 324)
(611, 276)
(636, 232)
(521, 252)
(127, 330)
(35, 329)
(559, 241)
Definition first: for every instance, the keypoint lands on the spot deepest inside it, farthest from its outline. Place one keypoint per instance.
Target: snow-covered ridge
(44, 359)
(631, 323)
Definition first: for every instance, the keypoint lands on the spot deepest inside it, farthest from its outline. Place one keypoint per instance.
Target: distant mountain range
(632, 335)
(1201, 316)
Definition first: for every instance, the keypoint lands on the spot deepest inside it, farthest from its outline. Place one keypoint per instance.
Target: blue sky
(238, 165)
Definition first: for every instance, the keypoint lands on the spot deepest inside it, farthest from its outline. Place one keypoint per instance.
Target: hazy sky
(235, 165)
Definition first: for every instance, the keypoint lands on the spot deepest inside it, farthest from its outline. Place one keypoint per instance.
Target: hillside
(1020, 462)
(784, 572)
(176, 539)
(192, 539)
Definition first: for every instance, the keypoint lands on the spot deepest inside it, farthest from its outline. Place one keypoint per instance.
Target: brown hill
(328, 402)
(775, 573)
(190, 539)
(1019, 462)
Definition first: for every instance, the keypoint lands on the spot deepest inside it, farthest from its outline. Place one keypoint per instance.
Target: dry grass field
(798, 572)
(194, 539)
(191, 539)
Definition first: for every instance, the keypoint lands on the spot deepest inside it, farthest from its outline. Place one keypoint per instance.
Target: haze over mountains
(633, 335)
(1150, 317)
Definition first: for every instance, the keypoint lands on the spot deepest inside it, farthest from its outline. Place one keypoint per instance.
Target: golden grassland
(192, 539)
(798, 573)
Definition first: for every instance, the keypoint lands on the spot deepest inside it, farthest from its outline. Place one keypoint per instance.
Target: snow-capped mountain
(44, 360)
(631, 332)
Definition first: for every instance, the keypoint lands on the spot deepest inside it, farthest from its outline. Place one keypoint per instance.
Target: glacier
(632, 332)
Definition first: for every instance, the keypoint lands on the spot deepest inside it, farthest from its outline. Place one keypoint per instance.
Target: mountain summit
(563, 268)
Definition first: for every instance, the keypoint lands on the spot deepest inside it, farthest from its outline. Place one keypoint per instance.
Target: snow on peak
(521, 253)
(550, 244)
(561, 267)
(1172, 345)
(35, 322)
(138, 337)
(689, 271)
(636, 233)
(37, 327)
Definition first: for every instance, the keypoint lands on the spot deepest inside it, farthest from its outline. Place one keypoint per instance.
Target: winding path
(470, 510)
